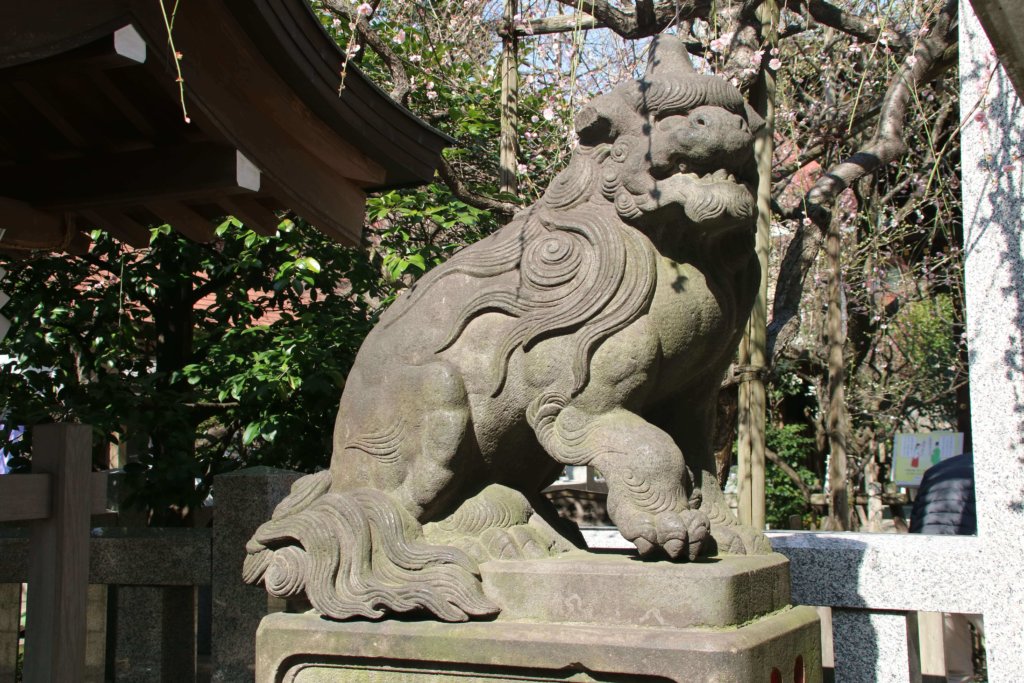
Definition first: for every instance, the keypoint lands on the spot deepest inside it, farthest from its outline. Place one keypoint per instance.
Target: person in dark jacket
(945, 500)
(945, 505)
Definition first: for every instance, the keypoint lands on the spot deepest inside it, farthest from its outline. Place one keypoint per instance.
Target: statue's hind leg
(498, 524)
(409, 441)
(431, 479)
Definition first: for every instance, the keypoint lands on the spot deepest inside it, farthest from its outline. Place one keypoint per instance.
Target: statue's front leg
(692, 424)
(644, 469)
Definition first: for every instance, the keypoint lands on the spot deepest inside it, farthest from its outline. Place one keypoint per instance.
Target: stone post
(155, 638)
(866, 643)
(95, 634)
(10, 618)
(244, 500)
(992, 140)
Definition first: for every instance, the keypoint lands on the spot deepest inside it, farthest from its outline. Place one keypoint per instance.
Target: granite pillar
(155, 634)
(96, 634)
(992, 141)
(870, 646)
(10, 623)
(244, 500)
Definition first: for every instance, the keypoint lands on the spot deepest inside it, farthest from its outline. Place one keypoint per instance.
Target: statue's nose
(716, 134)
(719, 120)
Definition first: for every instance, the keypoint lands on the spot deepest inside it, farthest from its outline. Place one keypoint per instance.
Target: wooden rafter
(137, 177)
(92, 133)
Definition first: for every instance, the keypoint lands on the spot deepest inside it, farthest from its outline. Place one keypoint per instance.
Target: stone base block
(620, 589)
(303, 648)
(573, 619)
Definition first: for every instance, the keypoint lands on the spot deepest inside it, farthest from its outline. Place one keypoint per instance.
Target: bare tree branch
(399, 78)
(650, 18)
(464, 194)
(841, 20)
(886, 145)
(805, 491)
(560, 23)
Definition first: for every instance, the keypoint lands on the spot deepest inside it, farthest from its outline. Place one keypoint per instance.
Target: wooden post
(837, 420)
(930, 634)
(59, 557)
(752, 352)
(508, 161)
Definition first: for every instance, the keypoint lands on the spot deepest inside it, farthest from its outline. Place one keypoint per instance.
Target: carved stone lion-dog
(594, 329)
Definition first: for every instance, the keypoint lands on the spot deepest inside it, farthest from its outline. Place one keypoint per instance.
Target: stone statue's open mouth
(721, 175)
(717, 199)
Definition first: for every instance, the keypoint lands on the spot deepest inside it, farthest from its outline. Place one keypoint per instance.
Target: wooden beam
(134, 177)
(256, 217)
(339, 212)
(314, 169)
(116, 223)
(31, 31)
(23, 227)
(252, 106)
(24, 497)
(121, 48)
(52, 112)
(124, 104)
(561, 23)
(184, 219)
(752, 354)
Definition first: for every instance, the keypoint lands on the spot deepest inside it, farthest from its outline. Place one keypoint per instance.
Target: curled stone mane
(582, 273)
(575, 184)
(661, 97)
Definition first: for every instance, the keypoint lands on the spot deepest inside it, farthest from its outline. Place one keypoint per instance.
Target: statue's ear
(595, 124)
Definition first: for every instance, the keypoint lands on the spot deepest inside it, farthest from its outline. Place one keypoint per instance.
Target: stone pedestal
(245, 499)
(580, 617)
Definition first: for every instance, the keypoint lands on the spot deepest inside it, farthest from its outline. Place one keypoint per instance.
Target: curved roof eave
(295, 43)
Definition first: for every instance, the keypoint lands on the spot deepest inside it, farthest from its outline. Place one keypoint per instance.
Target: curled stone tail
(360, 554)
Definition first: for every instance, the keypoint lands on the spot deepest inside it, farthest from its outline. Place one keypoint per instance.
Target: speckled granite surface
(992, 141)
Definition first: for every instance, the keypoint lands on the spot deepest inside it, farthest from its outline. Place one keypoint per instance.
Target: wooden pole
(58, 557)
(508, 160)
(837, 422)
(752, 353)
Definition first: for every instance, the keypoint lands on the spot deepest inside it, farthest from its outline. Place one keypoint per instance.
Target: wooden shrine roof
(92, 133)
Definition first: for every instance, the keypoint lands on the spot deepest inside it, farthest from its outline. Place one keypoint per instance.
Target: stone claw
(679, 535)
(675, 548)
(643, 546)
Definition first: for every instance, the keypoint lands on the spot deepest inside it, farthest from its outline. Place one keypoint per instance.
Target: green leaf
(252, 430)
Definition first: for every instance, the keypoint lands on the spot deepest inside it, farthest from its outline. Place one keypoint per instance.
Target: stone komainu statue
(594, 329)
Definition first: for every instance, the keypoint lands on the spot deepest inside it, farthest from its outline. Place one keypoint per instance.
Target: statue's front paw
(737, 540)
(679, 534)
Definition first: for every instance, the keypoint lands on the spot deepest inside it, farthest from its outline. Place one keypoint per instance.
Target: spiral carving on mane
(574, 279)
(573, 259)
